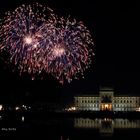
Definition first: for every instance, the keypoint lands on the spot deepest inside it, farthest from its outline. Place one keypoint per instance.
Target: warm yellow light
(138, 109)
(0, 107)
(17, 108)
(106, 105)
(71, 109)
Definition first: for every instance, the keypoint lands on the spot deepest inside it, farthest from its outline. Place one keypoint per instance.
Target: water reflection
(106, 126)
(69, 128)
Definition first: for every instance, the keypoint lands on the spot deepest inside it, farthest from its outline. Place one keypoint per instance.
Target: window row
(87, 101)
(125, 101)
(121, 105)
(89, 105)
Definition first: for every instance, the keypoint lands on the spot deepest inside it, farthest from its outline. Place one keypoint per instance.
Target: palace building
(107, 100)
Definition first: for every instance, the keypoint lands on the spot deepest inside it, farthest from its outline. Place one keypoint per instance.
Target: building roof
(116, 94)
(88, 95)
(106, 89)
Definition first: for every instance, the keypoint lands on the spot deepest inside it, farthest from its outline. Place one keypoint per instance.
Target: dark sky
(114, 25)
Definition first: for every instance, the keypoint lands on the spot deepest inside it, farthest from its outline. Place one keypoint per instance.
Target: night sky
(114, 26)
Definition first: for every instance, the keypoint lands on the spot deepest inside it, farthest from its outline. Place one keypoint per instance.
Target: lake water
(64, 128)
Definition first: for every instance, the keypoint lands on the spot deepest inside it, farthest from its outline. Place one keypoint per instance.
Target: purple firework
(71, 50)
(37, 40)
(22, 33)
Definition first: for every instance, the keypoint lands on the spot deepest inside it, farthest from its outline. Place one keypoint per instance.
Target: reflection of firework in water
(38, 42)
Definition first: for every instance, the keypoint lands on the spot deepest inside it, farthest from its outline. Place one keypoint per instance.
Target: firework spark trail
(23, 35)
(38, 42)
(71, 51)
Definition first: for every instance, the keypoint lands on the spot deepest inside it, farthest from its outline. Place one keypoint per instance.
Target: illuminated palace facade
(107, 101)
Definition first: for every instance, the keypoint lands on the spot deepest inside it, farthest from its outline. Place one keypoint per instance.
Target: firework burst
(23, 35)
(37, 40)
(71, 52)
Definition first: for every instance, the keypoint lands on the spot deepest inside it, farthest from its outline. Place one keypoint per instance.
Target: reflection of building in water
(106, 125)
(107, 101)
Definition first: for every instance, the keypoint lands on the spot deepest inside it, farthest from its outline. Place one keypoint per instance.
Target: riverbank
(89, 114)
